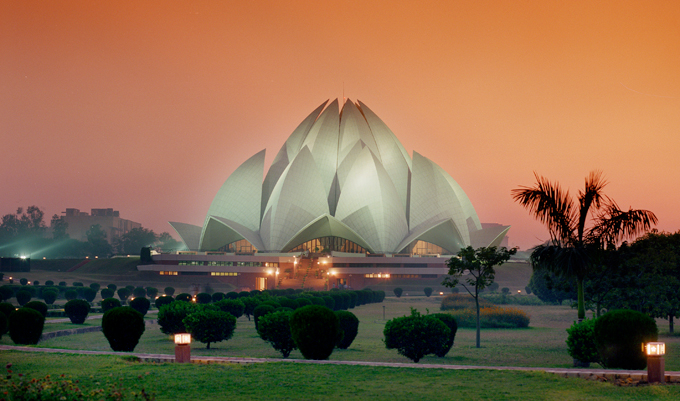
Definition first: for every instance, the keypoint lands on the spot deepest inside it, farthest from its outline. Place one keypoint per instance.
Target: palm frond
(591, 196)
(551, 205)
(613, 224)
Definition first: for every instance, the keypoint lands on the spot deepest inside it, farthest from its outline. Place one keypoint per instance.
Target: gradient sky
(148, 106)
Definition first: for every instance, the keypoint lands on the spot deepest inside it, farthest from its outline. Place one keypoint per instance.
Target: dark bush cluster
(123, 327)
(315, 330)
(171, 316)
(26, 326)
(77, 310)
(417, 335)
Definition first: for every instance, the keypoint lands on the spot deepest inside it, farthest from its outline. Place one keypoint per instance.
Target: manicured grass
(540, 345)
(279, 381)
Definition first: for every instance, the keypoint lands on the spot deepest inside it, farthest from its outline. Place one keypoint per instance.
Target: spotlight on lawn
(656, 364)
(182, 348)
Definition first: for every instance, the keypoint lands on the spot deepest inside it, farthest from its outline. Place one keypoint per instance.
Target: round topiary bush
(427, 291)
(123, 327)
(39, 306)
(184, 297)
(315, 330)
(7, 308)
(77, 310)
(71, 294)
(350, 327)
(218, 296)
(36, 282)
(49, 282)
(89, 294)
(49, 296)
(203, 298)
(251, 303)
(110, 303)
(6, 292)
(23, 297)
(170, 316)
(209, 326)
(112, 287)
(107, 293)
(123, 294)
(450, 322)
(303, 302)
(95, 286)
(329, 302)
(581, 342)
(141, 305)
(151, 292)
(23, 281)
(261, 310)
(275, 329)
(26, 326)
(618, 335)
(169, 291)
(398, 291)
(234, 306)
(416, 335)
(235, 295)
(139, 292)
(163, 300)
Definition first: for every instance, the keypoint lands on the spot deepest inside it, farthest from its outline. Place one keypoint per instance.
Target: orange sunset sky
(148, 106)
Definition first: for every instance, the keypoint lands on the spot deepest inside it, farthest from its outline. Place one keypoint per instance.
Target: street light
(182, 348)
(656, 365)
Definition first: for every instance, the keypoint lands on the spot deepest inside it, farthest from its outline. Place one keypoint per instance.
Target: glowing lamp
(656, 364)
(655, 349)
(183, 339)
(441, 293)
(182, 347)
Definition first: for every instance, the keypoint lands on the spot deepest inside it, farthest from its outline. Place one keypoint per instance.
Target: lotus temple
(342, 205)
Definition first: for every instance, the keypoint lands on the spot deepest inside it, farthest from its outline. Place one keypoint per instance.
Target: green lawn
(288, 381)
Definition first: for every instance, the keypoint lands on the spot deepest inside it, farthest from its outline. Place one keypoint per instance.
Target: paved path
(592, 374)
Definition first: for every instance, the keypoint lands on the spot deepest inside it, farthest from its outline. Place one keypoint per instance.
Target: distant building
(109, 220)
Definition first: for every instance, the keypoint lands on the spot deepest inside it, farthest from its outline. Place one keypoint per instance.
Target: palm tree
(595, 221)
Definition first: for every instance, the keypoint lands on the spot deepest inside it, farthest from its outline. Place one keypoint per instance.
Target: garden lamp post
(656, 364)
(182, 348)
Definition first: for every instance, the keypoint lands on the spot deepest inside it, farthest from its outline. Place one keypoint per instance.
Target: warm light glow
(96, 257)
(44, 257)
(270, 271)
(519, 291)
(441, 293)
(655, 349)
(183, 339)
(23, 257)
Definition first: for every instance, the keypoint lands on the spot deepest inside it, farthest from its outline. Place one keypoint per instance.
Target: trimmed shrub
(184, 297)
(329, 302)
(77, 284)
(163, 300)
(170, 316)
(23, 297)
(349, 324)
(49, 296)
(71, 295)
(112, 287)
(505, 290)
(353, 297)
(49, 282)
(62, 284)
(107, 293)
(36, 282)
(169, 291)
(416, 335)
(450, 322)
(275, 329)
(493, 287)
(250, 304)
(139, 292)
(89, 294)
(492, 317)
(26, 326)
(234, 295)
(233, 306)
(427, 291)
(39, 306)
(130, 287)
(203, 298)
(460, 301)
(77, 310)
(141, 305)
(110, 303)
(288, 303)
(4, 324)
(618, 335)
(95, 286)
(527, 290)
(317, 301)
(209, 326)
(123, 327)
(218, 296)
(398, 291)
(243, 294)
(23, 281)
(315, 330)
(300, 302)
(581, 341)
(6, 292)
(6, 308)
(151, 292)
(261, 310)
(123, 294)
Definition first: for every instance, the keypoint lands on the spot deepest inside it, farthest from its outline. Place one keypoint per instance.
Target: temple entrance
(261, 283)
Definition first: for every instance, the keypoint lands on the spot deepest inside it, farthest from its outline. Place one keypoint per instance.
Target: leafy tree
(209, 326)
(59, 227)
(133, 241)
(593, 221)
(96, 241)
(480, 265)
(550, 287)
(169, 244)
